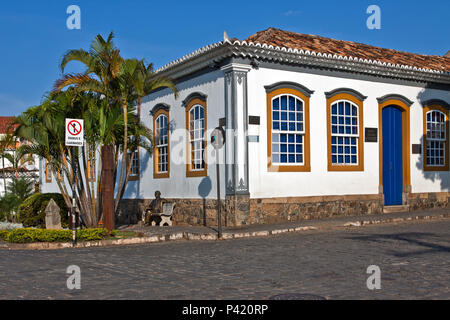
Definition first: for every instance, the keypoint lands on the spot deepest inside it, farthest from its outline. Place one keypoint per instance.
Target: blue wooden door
(392, 156)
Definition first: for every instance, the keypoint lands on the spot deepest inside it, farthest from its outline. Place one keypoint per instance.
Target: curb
(203, 237)
(391, 220)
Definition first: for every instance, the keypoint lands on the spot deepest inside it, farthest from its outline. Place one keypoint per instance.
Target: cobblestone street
(413, 257)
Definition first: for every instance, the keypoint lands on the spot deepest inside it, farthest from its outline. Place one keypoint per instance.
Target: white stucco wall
(264, 184)
(52, 187)
(319, 181)
(178, 185)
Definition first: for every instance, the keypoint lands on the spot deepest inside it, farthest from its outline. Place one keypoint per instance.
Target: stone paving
(316, 223)
(413, 256)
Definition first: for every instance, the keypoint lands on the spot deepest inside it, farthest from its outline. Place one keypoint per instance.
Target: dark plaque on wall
(416, 148)
(253, 120)
(371, 135)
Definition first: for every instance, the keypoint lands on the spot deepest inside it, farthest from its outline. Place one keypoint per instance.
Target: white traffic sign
(74, 132)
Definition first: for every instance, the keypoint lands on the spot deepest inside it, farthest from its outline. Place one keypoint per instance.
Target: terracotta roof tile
(280, 38)
(5, 122)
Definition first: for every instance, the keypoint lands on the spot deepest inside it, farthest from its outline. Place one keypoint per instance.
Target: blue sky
(34, 35)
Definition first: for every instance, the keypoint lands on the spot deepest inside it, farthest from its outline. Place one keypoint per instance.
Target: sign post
(218, 140)
(74, 138)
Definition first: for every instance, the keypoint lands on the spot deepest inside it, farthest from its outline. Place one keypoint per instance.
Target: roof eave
(203, 58)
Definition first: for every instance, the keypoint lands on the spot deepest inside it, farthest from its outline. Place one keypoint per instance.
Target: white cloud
(292, 13)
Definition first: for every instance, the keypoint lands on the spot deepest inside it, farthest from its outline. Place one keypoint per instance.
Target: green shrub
(22, 235)
(32, 211)
(28, 235)
(91, 234)
(4, 234)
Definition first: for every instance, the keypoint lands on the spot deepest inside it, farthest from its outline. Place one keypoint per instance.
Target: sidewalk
(210, 233)
(162, 234)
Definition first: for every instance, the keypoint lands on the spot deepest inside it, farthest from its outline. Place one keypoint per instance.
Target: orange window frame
(189, 171)
(59, 175)
(427, 167)
(360, 105)
(48, 173)
(156, 174)
(306, 166)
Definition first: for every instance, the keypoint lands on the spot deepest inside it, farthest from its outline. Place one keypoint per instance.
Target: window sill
(431, 169)
(345, 168)
(193, 174)
(278, 168)
(161, 175)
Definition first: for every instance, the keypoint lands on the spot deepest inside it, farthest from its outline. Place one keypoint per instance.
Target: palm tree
(44, 125)
(137, 80)
(103, 66)
(120, 82)
(17, 159)
(5, 144)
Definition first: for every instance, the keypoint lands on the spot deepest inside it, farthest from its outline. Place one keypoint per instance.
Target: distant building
(25, 167)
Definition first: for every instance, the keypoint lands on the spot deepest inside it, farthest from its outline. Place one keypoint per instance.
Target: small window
(59, 174)
(134, 172)
(435, 139)
(48, 172)
(162, 144)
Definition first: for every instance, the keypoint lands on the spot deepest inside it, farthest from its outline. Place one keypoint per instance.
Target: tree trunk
(124, 165)
(4, 177)
(108, 187)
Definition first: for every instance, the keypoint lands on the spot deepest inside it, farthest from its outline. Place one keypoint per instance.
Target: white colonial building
(314, 127)
(25, 167)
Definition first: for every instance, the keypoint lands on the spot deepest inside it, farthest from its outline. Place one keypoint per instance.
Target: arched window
(161, 163)
(345, 138)
(196, 141)
(435, 138)
(288, 127)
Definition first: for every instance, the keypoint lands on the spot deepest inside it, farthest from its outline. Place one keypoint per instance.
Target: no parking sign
(74, 132)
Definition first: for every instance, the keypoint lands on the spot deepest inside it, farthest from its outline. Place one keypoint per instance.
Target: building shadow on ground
(427, 242)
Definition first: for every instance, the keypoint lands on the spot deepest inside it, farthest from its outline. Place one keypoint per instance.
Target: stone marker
(52, 216)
